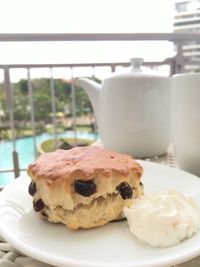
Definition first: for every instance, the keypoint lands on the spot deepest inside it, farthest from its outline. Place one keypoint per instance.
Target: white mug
(186, 121)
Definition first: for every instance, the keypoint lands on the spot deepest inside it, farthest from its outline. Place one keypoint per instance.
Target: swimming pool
(25, 149)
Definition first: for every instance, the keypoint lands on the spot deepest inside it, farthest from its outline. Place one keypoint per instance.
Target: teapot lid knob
(136, 62)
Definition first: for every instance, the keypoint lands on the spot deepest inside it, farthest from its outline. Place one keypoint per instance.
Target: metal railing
(176, 64)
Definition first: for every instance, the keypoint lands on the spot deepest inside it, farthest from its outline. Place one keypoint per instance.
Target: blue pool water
(25, 149)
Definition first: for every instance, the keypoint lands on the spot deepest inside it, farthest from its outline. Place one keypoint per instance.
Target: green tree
(42, 106)
(83, 105)
(41, 90)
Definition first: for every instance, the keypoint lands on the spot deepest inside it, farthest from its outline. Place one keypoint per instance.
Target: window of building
(181, 7)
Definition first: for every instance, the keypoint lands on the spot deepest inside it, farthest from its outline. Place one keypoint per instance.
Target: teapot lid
(136, 64)
(136, 70)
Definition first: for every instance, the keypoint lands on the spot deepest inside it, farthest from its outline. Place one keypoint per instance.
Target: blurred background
(45, 44)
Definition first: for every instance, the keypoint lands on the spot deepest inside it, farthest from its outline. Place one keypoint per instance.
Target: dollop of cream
(163, 219)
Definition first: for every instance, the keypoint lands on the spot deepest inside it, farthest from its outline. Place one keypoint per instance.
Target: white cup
(186, 121)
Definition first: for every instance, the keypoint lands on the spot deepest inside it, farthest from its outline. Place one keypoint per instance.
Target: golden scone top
(84, 162)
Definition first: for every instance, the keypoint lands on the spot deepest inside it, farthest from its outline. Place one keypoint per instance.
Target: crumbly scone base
(54, 196)
(99, 212)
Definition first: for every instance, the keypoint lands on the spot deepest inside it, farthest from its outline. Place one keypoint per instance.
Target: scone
(84, 187)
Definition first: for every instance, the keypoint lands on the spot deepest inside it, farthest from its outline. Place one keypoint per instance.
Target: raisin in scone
(84, 187)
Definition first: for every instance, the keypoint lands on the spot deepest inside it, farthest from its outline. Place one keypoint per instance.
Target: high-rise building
(187, 20)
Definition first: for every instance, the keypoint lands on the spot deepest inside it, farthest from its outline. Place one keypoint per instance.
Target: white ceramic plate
(110, 245)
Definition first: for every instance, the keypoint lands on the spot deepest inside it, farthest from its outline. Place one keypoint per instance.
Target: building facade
(187, 20)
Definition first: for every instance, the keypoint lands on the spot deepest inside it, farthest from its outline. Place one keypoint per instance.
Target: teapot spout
(93, 90)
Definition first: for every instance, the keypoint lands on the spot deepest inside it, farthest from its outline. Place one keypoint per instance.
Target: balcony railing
(176, 64)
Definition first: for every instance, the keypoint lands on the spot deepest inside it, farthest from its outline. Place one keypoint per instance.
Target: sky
(84, 16)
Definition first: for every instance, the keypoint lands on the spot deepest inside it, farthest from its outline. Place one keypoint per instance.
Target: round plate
(106, 246)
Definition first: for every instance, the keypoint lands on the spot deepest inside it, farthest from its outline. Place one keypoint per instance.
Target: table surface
(10, 257)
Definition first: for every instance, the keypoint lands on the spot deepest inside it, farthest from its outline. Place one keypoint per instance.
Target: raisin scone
(84, 187)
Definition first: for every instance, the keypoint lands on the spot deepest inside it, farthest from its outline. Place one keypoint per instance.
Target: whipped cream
(163, 219)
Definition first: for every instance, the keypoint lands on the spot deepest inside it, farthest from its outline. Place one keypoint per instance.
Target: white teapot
(132, 111)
